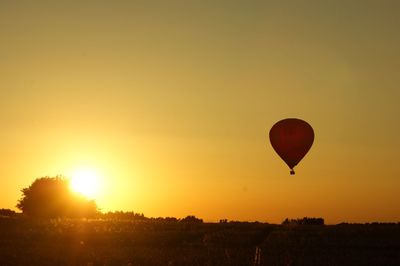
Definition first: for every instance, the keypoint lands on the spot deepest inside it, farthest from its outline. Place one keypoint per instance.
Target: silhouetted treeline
(7, 213)
(133, 216)
(121, 215)
(304, 221)
(51, 197)
(191, 219)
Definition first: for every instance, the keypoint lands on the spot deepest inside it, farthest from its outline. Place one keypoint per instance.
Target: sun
(85, 182)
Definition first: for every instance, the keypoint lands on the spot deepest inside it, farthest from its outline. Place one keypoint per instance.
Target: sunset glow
(164, 107)
(85, 182)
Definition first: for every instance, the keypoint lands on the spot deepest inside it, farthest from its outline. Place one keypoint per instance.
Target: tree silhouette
(191, 219)
(304, 221)
(51, 197)
(7, 213)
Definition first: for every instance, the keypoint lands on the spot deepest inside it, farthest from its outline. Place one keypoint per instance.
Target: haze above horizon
(170, 102)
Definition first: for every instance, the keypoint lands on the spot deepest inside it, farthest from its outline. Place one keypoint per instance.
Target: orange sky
(171, 102)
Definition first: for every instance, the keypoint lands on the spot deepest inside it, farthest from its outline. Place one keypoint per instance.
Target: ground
(128, 242)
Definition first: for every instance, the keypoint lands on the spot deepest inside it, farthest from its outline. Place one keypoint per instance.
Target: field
(153, 242)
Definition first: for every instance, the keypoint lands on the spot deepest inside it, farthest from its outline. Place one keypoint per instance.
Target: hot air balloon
(291, 138)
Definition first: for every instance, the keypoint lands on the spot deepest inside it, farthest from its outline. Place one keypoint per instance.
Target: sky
(171, 102)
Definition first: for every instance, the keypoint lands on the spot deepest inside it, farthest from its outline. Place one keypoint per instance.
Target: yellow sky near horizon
(172, 103)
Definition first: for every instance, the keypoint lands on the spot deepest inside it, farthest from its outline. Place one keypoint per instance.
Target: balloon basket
(292, 172)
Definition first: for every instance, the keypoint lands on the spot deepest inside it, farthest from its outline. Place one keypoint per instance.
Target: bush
(51, 197)
(304, 221)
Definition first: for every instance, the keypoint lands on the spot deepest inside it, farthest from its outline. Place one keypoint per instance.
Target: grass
(126, 242)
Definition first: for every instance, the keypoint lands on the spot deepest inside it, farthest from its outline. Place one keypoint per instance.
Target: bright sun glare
(85, 182)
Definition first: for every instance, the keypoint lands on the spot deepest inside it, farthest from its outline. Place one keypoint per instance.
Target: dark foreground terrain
(124, 242)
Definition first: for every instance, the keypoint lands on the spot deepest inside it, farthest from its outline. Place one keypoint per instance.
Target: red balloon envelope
(291, 138)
